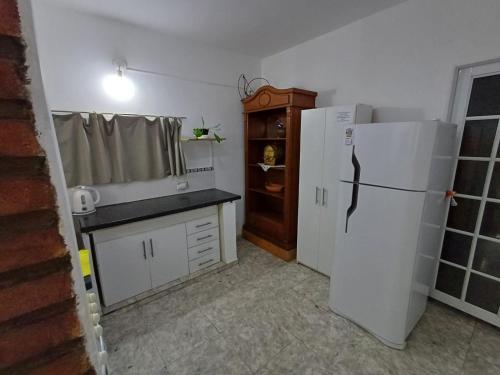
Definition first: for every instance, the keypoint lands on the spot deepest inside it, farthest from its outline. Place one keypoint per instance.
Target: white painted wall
(76, 52)
(400, 60)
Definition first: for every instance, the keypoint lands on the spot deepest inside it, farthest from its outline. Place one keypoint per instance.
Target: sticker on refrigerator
(345, 117)
(349, 132)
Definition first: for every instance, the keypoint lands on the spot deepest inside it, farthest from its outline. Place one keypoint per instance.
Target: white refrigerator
(391, 207)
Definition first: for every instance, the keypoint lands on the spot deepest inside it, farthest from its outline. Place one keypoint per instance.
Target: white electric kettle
(82, 201)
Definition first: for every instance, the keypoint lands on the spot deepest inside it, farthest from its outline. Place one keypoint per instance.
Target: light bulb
(118, 87)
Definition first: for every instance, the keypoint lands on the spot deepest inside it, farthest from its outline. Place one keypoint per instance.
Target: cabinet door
(310, 184)
(168, 255)
(331, 171)
(123, 268)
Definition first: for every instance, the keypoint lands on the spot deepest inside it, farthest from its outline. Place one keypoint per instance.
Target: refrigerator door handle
(356, 165)
(324, 197)
(353, 206)
(317, 194)
(355, 188)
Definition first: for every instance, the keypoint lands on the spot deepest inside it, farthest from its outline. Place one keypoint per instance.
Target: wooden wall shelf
(272, 116)
(268, 193)
(194, 139)
(274, 167)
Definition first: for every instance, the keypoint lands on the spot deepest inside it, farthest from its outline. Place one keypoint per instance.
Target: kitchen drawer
(203, 249)
(203, 262)
(204, 223)
(203, 237)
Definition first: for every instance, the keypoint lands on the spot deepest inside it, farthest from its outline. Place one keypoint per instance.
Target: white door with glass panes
(468, 272)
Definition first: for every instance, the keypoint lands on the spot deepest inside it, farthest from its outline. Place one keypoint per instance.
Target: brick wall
(39, 328)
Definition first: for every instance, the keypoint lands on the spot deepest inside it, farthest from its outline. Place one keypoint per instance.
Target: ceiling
(254, 27)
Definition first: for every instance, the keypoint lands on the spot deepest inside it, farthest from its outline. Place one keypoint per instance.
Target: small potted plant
(203, 132)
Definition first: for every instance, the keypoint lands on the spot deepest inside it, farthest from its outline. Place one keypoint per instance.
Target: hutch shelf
(272, 117)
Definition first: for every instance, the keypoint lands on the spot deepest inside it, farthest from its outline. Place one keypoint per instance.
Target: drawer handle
(203, 251)
(203, 225)
(204, 237)
(205, 262)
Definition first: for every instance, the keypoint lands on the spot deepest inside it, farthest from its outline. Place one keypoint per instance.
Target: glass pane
(485, 96)
(470, 177)
(478, 138)
(487, 257)
(464, 216)
(491, 220)
(456, 248)
(450, 280)
(483, 292)
(494, 191)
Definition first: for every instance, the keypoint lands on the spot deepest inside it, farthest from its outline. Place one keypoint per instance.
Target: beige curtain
(176, 157)
(136, 146)
(84, 154)
(118, 149)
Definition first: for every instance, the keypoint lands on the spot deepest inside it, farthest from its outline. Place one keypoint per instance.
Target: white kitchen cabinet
(203, 249)
(168, 256)
(204, 262)
(145, 255)
(310, 185)
(321, 137)
(123, 268)
(203, 223)
(203, 237)
(136, 263)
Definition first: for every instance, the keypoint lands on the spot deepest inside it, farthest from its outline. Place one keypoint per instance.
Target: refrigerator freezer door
(374, 259)
(396, 155)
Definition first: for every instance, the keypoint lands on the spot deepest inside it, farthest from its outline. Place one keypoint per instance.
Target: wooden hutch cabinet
(272, 122)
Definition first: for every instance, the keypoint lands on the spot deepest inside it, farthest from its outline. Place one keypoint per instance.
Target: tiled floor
(265, 316)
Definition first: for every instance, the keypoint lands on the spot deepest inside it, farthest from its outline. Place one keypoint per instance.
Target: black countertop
(123, 213)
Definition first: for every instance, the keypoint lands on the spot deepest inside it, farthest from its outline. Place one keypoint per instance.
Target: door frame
(456, 86)
(457, 110)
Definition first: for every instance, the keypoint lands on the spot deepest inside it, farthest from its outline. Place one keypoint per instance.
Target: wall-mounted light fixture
(117, 85)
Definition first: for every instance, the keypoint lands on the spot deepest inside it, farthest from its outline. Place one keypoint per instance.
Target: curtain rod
(211, 83)
(119, 114)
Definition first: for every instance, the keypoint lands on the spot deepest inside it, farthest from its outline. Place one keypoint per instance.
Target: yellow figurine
(270, 155)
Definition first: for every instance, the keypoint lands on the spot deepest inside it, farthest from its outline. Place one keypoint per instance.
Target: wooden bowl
(274, 188)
